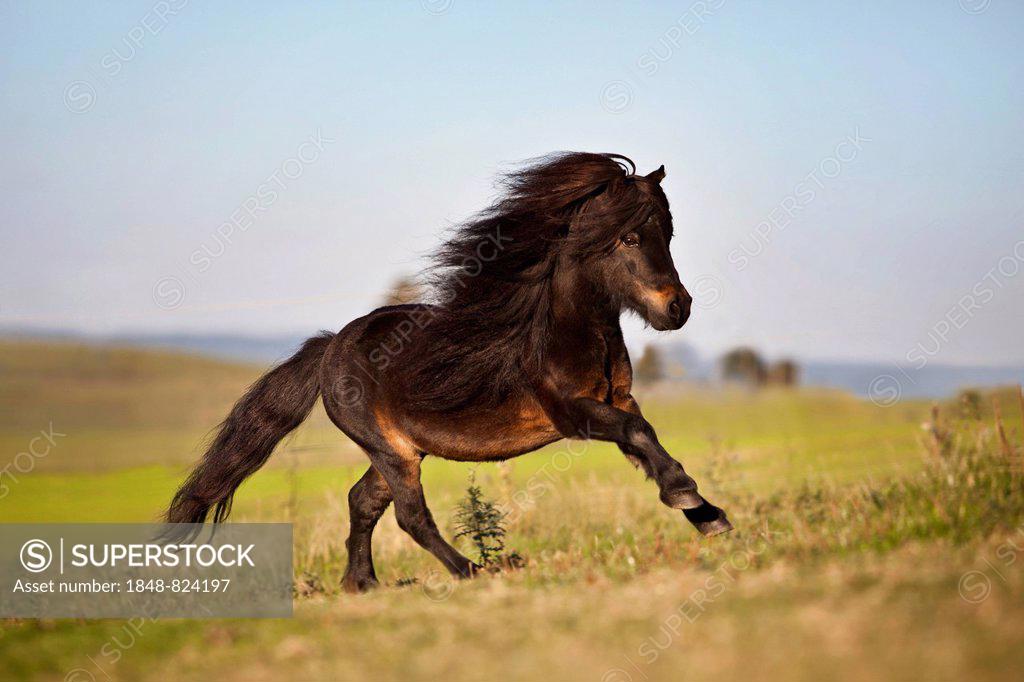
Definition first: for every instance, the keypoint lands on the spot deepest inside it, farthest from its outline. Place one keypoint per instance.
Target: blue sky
(845, 177)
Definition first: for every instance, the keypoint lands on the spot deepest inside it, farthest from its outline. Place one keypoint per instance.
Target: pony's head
(588, 213)
(633, 265)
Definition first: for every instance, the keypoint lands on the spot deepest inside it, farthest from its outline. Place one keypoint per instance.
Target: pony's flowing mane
(492, 278)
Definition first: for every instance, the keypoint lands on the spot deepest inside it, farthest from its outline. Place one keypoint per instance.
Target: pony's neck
(578, 301)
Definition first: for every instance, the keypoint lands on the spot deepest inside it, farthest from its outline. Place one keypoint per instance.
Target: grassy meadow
(871, 541)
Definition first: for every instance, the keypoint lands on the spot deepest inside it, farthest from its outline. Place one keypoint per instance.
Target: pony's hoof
(708, 519)
(716, 527)
(682, 499)
(354, 585)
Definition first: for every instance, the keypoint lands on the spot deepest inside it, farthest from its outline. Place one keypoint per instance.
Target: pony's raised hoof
(716, 527)
(709, 520)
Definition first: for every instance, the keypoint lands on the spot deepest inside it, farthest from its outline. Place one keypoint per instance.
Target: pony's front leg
(589, 418)
(706, 518)
(592, 419)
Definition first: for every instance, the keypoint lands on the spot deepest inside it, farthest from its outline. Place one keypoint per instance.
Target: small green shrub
(480, 520)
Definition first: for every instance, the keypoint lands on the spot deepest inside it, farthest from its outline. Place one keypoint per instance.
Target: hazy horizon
(844, 179)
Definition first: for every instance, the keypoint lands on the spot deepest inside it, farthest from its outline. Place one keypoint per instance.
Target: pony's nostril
(674, 310)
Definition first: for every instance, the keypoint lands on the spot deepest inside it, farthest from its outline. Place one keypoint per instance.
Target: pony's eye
(631, 239)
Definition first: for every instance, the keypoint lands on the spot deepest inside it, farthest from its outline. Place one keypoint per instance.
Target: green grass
(855, 527)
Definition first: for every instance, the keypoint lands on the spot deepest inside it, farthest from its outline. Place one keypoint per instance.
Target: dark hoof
(716, 527)
(683, 499)
(708, 519)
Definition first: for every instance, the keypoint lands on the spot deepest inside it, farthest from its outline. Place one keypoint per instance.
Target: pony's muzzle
(679, 310)
(667, 307)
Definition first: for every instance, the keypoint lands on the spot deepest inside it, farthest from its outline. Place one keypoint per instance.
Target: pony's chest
(594, 377)
(589, 364)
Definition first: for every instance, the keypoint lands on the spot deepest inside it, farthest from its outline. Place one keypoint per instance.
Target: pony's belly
(487, 436)
(495, 451)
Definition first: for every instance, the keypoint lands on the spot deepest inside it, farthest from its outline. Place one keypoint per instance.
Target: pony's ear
(657, 175)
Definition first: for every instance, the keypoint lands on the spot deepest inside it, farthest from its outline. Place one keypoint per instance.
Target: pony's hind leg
(356, 406)
(400, 467)
(367, 500)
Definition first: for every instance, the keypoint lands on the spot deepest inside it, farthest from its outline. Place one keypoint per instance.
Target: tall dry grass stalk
(1003, 441)
(1010, 454)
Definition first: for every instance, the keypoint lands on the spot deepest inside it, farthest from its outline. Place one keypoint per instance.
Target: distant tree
(745, 366)
(650, 367)
(405, 289)
(681, 361)
(784, 373)
(970, 404)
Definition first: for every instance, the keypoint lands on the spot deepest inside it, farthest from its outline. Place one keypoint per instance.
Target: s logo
(36, 556)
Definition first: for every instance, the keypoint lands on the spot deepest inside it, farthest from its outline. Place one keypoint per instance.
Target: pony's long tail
(271, 409)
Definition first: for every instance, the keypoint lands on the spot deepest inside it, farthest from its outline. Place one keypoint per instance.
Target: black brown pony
(522, 348)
